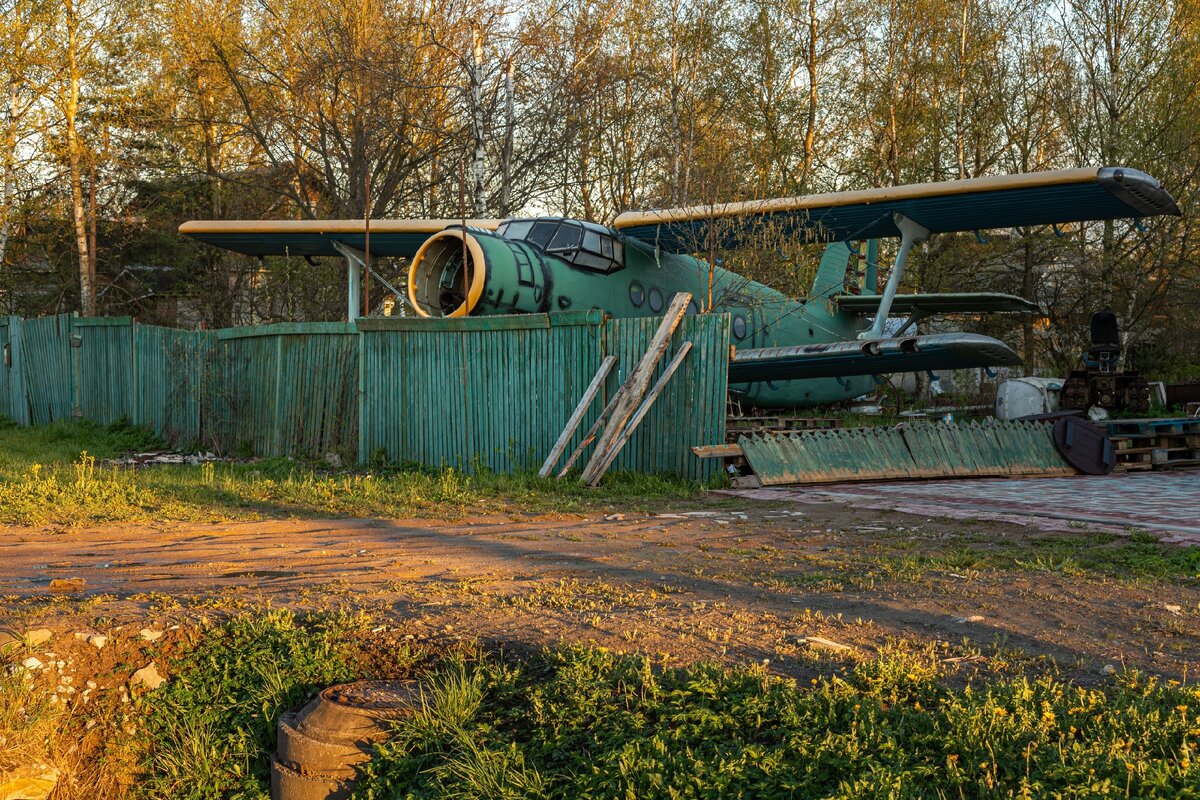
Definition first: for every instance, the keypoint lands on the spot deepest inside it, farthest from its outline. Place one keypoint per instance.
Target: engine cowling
(447, 275)
(459, 272)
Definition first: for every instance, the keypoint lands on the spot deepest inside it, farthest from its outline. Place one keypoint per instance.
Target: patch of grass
(208, 732)
(62, 442)
(1134, 558)
(587, 723)
(584, 723)
(50, 476)
(30, 724)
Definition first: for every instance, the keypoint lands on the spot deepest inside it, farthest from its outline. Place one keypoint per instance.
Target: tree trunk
(92, 217)
(810, 130)
(676, 129)
(959, 133)
(8, 187)
(1027, 292)
(87, 275)
(477, 163)
(510, 125)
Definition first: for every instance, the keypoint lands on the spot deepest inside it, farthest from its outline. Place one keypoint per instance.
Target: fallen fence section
(486, 392)
(938, 450)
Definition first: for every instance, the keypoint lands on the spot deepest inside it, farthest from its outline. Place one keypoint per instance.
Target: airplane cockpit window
(584, 244)
(541, 233)
(566, 238)
(517, 229)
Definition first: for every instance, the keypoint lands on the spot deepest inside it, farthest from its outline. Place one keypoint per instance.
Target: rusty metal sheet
(937, 450)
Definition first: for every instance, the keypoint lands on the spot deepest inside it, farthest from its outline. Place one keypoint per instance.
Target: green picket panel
(9, 386)
(168, 370)
(495, 392)
(47, 371)
(488, 392)
(691, 409)
(282, 390)
(104, 368)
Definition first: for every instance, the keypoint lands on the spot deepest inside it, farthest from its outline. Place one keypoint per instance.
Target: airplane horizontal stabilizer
(316, 237)
(946, 303)
(974, 204)
(871, 357)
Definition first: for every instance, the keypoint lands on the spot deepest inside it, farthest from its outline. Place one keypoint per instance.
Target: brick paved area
(1166, 503)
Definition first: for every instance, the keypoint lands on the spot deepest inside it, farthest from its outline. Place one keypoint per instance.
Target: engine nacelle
(447, 275)
(456, 271)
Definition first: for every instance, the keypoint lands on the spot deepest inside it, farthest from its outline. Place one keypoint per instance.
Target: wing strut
(911, 232)
(355, 260)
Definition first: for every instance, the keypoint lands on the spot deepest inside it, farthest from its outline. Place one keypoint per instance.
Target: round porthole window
(637, 294)
(739, 327)
(656, 300)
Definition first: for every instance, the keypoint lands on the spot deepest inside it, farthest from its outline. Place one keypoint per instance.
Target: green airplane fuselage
(628, 278)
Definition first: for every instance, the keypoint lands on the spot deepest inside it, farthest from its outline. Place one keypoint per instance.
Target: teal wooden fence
(487, 392)
(691, 408)
(105, 368)
(169, 371)
(46, 368)
(7, 380)
(287, 389)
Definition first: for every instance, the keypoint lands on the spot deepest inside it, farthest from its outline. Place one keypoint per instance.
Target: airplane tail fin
(847, 268)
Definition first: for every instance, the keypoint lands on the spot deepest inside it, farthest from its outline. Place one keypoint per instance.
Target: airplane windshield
(584, 244)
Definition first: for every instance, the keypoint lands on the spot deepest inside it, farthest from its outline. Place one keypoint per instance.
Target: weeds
(29, 722)
(51, 476)
(209, 731)
(584, 723)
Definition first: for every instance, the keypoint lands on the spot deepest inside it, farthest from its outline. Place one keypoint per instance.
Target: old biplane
(788, 351)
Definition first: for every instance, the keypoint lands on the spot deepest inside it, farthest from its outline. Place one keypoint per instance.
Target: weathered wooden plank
(718, 451)
(590, 436)
(577, 416)
(637, 381)
(641, 412)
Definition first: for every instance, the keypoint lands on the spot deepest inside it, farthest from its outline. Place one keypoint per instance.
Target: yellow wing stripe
(912, 191)
(328, 226)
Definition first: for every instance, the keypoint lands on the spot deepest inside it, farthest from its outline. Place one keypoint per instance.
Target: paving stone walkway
(1165, 503)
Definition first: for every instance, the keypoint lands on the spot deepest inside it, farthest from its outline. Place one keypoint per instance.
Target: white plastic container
(1022, 397)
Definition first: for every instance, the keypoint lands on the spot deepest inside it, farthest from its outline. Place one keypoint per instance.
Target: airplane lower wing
(1004, 201)
(873, 357)
(316, 237)
(948, 303)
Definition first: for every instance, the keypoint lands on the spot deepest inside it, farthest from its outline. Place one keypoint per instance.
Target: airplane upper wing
(874, 357)
(389, 237)
(1037, 198)
(948, 303)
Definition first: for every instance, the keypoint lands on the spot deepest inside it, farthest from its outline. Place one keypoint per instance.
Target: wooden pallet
(1143, 444)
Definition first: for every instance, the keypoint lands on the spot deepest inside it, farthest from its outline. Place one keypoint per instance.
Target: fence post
(75, 348)
(362, 396)
(135, 405)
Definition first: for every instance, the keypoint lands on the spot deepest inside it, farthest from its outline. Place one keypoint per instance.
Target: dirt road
(743, 582)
